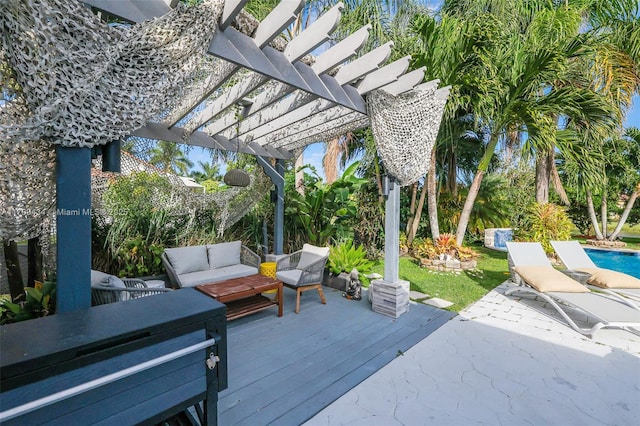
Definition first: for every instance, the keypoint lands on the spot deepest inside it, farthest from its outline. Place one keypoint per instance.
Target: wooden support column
(73, 227)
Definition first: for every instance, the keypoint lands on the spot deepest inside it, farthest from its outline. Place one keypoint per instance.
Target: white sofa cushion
(311, 254)
(188, 259)
(224, 254)
(214, 275)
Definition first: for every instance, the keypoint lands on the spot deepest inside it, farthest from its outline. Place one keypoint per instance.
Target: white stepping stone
(416, 295)
(437, 302)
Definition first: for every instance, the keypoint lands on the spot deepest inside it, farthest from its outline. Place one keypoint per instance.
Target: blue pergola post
(277, 177)
(278, 232)
(73, 227)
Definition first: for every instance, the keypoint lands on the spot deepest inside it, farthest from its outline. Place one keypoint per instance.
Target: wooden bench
(243, 296)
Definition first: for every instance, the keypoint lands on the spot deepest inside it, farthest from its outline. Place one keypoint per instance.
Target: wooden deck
(285, 370)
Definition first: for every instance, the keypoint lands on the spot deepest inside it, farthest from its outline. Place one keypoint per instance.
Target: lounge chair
(302, 271)
(542, 279)
(611, 282)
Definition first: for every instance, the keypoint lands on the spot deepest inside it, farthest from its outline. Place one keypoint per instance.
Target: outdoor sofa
(195, 265)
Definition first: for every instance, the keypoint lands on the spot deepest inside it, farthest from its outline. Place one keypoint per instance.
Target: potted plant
(343, 258)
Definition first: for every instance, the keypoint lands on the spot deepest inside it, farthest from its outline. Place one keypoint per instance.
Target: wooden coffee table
(243, 295)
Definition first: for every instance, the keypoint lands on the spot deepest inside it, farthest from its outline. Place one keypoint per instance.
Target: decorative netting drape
(71, 80)
(405, 128)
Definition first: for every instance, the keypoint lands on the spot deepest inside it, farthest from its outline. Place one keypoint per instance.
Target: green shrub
(545, 222)
(39, 301)
(137, 258)
(344, 257)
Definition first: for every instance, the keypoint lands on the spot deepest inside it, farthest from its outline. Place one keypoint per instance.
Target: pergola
(264, 97)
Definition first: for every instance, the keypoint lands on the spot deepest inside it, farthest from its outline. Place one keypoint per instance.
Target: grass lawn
(461, 289)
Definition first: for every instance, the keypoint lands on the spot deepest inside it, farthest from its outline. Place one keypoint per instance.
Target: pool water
(621, 261)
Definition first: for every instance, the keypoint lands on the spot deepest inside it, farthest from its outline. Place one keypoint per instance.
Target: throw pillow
(188, 259)
(224, 254)
(606, 278)
(311, 254)
(546, 278)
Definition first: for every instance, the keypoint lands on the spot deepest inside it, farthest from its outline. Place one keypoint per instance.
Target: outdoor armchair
(539, 277)
(303, 271)
(110, 289)
(611, 282)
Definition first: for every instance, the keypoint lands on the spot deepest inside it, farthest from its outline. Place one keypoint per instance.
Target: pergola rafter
(278, 95)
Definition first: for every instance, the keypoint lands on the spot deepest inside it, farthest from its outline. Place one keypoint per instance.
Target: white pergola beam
(328, 60)
(405, 82)
(382, 76)
(331, 129)
(341, 51)
(277, 21)
(363, 65)
(295, 113)
(311, 38)
(315, 34)
(230, 11)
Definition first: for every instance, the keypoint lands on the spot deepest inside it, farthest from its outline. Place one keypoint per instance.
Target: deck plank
(286, 369)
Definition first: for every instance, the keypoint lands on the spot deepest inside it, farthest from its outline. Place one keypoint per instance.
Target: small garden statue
(354, 289)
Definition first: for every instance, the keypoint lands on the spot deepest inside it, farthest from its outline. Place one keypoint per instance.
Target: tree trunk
(412, 207)
(416, 220)
(14, 273)
(330, 161)
(604, 214)
(432, 201)
(465, 215)
(452, 172)
(625, 213)
(592, 215)
(557, 185)
(299, 175)
(544, 162)
(34, 258)
(379, 184)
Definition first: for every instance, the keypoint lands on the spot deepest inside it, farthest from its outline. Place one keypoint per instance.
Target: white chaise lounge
(539, 277)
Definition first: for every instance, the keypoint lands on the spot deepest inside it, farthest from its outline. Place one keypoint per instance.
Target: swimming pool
(622, 261)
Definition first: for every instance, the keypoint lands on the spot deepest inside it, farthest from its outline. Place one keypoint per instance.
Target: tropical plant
(543, 223)
(345, 257)
(145, 213)
(39, 301)
(444, 244)
(326, 211)
(137, 258)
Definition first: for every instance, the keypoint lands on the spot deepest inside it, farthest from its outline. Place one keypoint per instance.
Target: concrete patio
(501, 361)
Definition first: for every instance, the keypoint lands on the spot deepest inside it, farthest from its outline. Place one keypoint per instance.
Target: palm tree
(210, 171)
(168, 157)
(536, 45)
